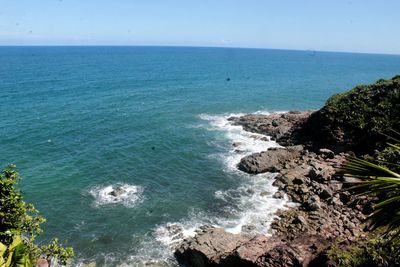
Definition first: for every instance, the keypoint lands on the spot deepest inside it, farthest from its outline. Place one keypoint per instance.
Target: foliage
(55, 250)
(14, 255)
(382, 248)
(390, 157)
(382, 182)
(16, 215)
(374, 251)
(20, 223)
(355, 120)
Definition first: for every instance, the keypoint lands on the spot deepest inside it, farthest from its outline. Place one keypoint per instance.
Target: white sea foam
(250, 208)
(127, 195)
(242, 143)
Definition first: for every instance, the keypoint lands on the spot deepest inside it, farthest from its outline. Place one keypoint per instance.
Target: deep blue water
(78, 119)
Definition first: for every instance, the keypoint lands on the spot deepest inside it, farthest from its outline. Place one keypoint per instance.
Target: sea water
(80, 122)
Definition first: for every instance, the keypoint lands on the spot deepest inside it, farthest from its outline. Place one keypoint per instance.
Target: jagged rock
(277, 126)
(326, 193)
(216, 247)
(313, 203)
(323, 214)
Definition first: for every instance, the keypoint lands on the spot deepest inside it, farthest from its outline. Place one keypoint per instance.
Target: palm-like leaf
(372, 179)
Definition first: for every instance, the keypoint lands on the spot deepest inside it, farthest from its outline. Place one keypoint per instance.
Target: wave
(125, 194)
(249, 208)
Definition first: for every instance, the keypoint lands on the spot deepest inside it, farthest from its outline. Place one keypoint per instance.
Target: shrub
(21, 221)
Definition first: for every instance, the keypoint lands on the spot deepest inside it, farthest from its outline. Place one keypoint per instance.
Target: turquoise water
(80, 120)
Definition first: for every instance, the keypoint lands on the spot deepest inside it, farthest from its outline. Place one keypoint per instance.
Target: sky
(368, 26)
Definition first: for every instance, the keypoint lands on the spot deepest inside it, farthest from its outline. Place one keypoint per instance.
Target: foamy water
(249, 209)
(125, 194)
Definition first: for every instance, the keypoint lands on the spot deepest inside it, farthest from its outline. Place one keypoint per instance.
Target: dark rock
(326, 193)
(313, 204)
(116, 192)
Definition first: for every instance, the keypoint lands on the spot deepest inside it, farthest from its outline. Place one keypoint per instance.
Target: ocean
(81, 121)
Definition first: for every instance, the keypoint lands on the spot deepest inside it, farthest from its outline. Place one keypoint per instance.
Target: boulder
(213, 247)
(272, 160)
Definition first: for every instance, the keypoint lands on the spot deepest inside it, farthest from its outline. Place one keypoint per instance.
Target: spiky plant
(381, 181)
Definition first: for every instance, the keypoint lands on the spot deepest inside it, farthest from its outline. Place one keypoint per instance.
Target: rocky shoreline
(301, 235)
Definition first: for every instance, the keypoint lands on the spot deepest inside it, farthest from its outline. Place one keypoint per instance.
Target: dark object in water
(228, 79)
(153, 148)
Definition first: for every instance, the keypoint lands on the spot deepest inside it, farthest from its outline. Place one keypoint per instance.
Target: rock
(278, 195)
(326, 193)
(272, 160)
(219, 248)
(209, 248)
(345, 197)
(300, 220)
(278, 126)
(321, 174)
(262, 251)
(116, 192)
(236, 144)
(313, 203)
(327, 153)
(43, 263)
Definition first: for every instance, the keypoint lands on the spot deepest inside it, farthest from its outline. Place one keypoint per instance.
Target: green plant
(380, 181)
(20, 224)
(373, 251)
(14, 255)
(56, 251)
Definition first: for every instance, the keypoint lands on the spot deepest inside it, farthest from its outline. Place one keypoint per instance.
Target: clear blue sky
(333, 25)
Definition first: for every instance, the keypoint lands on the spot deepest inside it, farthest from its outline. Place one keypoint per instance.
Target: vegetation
(355, 120)
(376, 250)
(20, 225)
(382, 247)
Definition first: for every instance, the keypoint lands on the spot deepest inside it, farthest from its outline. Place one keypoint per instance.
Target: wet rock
(278, 195)
(278, 126)
(236, 144)
(118, 191)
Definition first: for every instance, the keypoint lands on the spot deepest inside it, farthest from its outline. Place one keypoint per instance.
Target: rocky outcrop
(216, 247)
(272, 160)
(211, 247)
(278, 126)
(324, 213)
(300, 235)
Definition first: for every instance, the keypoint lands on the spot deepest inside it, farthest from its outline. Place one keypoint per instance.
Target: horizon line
(199, 46)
